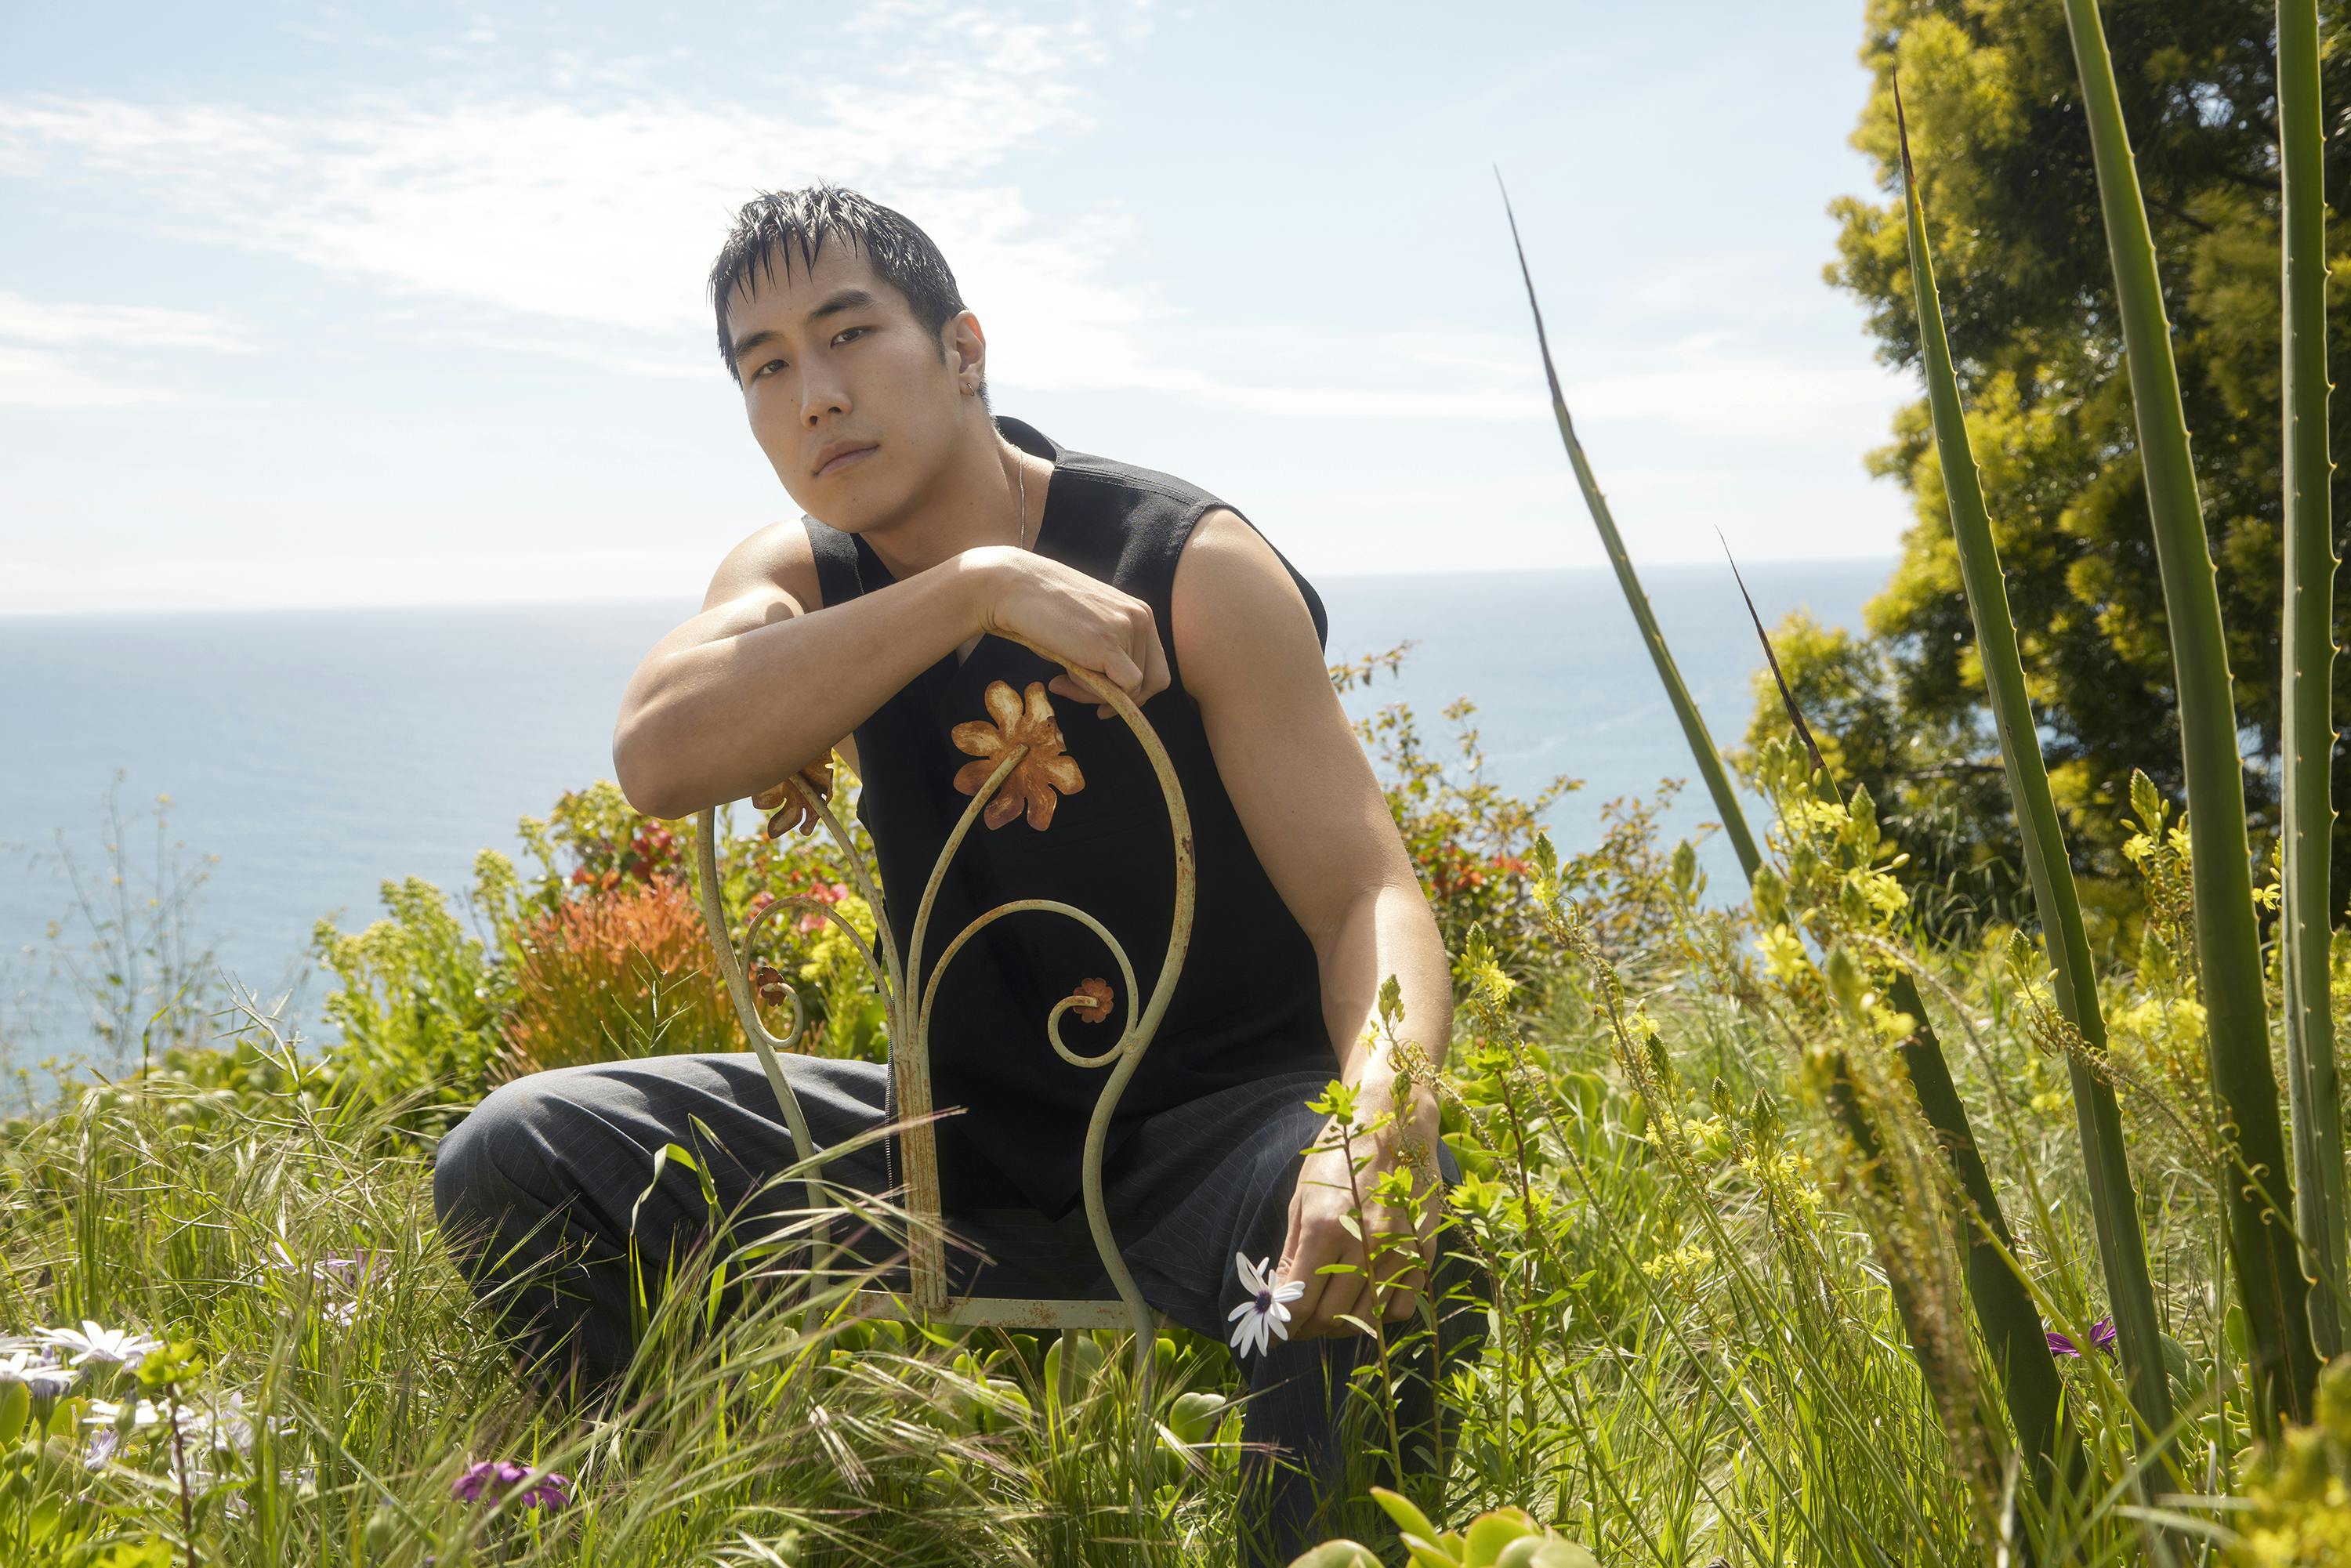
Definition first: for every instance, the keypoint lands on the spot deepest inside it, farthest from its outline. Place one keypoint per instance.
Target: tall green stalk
(2259, 1190)
(2309, 678)
(2011, 1323)
(1701, 744)
(2114, 1202)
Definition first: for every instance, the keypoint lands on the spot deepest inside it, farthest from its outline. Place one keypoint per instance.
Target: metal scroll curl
(733, 965)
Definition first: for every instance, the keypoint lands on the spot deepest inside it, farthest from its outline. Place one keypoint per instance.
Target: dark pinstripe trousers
(535, 1190)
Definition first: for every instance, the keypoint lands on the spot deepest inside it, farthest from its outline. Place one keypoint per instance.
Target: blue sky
(320, 306)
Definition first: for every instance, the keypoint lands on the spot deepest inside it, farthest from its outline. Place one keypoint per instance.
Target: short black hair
(777, 223)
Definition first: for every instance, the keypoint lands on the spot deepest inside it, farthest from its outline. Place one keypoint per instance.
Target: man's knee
(485, 1162)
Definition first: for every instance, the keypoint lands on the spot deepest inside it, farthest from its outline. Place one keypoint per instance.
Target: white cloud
(43, 378)
(39, 367)
(1736, 395)
(136, 328)
(597, 220)
(606, 215)
(133, 583)
(584, 225)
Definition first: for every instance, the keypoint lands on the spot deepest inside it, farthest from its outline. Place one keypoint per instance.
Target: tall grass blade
(2312, 1089)
(1772, 657)
(2114, 1201)
(2259, 1188)
(1701, 743)
(2012, 1323)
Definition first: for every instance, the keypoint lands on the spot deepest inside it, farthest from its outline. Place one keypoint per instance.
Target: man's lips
(835, 464)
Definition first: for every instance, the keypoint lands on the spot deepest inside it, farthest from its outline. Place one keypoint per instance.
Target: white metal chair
(909, 1032)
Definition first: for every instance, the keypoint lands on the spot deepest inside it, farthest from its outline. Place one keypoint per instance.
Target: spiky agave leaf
(2312, 1089)
(2114, 1201)
(1701, 743)
(2259, 1188)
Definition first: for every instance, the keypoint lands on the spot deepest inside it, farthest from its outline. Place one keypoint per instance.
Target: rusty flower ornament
(791, 811)
(1096, 1007)
(1041, 779)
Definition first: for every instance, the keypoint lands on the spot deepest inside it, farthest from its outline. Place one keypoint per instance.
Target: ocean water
(314, 753)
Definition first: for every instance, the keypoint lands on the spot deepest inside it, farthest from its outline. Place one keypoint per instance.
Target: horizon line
(325, 606)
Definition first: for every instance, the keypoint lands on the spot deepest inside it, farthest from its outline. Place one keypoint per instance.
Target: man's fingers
(1353, 1292)
(1156, 678)
(1067, 686)
(1344, 1297)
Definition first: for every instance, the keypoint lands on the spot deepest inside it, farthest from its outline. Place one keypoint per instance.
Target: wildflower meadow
(1832, 1218)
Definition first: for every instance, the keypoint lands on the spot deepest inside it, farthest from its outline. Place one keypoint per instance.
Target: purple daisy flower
(495, 1478)
(2102, 1335)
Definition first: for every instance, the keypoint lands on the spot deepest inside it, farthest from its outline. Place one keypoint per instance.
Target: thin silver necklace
(1023, 470)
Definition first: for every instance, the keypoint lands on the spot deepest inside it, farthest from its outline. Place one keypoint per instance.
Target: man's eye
(846, 331)
(763, 370)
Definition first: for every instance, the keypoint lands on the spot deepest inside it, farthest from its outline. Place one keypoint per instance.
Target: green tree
(2004, 156)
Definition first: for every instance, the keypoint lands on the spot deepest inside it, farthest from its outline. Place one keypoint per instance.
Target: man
(893, 622)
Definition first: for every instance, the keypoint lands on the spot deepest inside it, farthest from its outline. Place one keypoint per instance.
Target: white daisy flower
(117, 1347)
(348, 1273)
(40, 1369)
(108, 1412)
(1261, 1318)
(225, 1425)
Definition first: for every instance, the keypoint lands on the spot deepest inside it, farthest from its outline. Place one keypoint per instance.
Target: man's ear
(965, 347)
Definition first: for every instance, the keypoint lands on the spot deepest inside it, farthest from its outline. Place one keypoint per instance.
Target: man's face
(846, 394)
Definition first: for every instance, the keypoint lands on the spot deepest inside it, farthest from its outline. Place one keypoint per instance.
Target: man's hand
(1082, 620)
(1403, 1232)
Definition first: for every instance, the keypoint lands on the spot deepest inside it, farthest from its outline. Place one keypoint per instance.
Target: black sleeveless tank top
(1249, 1002)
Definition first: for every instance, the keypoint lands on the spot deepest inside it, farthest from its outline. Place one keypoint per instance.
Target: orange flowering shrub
(625, 973)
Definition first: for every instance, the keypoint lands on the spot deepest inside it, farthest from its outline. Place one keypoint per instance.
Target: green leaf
(1490, 1531)
(2307, 808)
(2267, 1270)
(1405, 1512)
(1337, 1555)
(2013, 1323)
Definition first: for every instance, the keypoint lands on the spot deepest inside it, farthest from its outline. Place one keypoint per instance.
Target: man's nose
(822, 393)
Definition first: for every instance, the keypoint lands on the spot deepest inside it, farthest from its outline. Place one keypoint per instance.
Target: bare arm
(1316, 817)
(759, 686)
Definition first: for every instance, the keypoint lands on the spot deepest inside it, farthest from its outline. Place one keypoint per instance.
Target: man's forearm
(1388, 931)
(745, 695)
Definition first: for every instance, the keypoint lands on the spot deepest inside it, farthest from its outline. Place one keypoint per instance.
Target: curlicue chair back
(907, 996)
